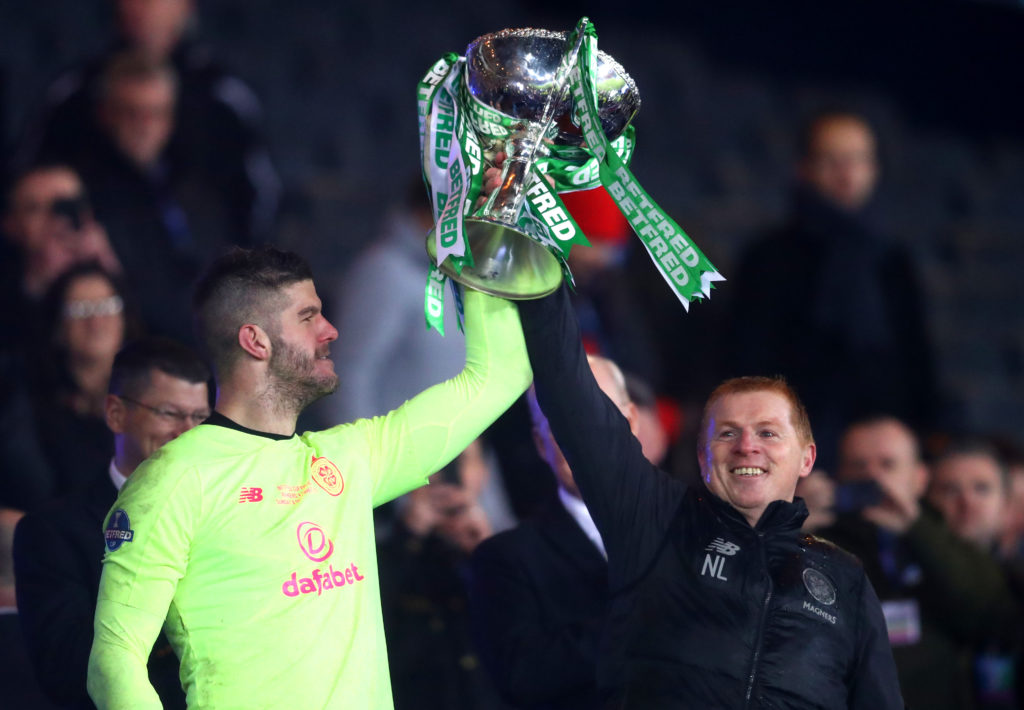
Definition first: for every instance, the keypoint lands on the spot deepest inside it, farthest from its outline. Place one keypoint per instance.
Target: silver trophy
(522, 74)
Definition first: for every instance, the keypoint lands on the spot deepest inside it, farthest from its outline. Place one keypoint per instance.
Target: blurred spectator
(216, 130)
(421, 559)
(1011, 542)
(158, 389)
(539, 592)
(828, 302)
(87, 320)
(8, 522)
(47, 226)
(614, 324)
(819, 493)
(26, 479)
(384, 346)
(1013, 533)
(165, 220)
(52, 395)
(970, 487)
(18, 686)
(940, 594)
(650, 430)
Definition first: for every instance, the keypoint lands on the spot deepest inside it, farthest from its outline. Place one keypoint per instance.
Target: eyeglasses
(109, 306)
(170, 415)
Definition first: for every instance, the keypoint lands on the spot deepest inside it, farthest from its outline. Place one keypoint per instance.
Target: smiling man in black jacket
(717, 599)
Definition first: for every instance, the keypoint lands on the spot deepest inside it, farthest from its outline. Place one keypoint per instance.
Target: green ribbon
(683, 266)
(453, 169)
(433, 308)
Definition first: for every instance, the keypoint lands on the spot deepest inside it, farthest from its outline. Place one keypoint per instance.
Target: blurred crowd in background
(858, 186)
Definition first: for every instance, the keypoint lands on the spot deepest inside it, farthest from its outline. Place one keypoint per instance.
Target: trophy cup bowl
(523, 75)
(515, 72)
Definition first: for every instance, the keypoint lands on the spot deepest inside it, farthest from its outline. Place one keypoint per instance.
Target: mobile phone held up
(851, 497)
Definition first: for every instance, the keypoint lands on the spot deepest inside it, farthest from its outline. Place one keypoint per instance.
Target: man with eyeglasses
(158, 389)
(252, 545)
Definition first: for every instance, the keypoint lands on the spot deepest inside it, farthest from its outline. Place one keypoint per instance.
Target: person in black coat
(539, 592)
(828, 301)
(716, 597)
(218, 122)
(158, 389)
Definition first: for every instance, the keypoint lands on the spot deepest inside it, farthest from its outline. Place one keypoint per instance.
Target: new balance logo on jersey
(720, 545)
(714, 565)
(250, 495)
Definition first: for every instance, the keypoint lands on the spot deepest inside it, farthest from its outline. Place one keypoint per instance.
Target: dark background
(725, 86)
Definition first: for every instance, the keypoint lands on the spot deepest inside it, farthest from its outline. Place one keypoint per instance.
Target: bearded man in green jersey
(253, 545)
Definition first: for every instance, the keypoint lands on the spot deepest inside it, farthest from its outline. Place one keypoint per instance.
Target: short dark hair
(133, 364)
(742, 385)
(876, 419)
(972, 445)
(243, 286)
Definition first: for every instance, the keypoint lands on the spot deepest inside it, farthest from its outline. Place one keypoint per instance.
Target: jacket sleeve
(631, 500)
(530, 659)
(874, 685)
(55, 607)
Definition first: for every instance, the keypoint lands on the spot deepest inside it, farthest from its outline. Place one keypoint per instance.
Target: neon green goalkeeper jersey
(258, 550)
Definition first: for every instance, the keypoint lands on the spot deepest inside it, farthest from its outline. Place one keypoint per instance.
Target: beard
(296, 383)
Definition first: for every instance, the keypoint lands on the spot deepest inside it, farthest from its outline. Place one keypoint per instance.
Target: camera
(852, 497)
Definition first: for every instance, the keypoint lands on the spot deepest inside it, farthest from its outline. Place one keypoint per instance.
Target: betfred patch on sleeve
(118, 530)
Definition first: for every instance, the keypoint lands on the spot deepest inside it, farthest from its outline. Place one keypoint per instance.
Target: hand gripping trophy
(561, 111)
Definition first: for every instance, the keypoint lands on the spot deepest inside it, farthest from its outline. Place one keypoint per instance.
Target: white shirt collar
(578, 510)
(116, 477)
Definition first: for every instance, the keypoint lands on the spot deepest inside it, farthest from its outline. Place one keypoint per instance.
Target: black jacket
(538, 598)
(426, 623)
(58, 553)
(706, 611)
(838, 309)
(958, 593)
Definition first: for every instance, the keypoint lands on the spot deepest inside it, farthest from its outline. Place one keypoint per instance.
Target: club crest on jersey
(327, 475)
(820, 587)
(118, 530)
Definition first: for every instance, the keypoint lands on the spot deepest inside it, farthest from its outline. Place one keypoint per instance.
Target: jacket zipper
(760, 624)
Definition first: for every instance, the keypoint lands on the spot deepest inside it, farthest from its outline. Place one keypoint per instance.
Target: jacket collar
(780, 516)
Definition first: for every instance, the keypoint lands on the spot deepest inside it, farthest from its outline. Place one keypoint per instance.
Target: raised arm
(631, 500)
(432, 428)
